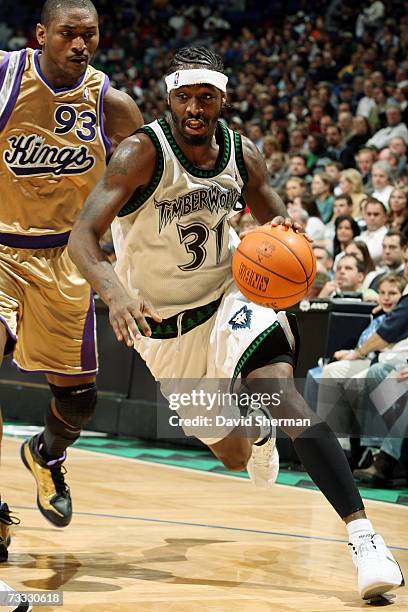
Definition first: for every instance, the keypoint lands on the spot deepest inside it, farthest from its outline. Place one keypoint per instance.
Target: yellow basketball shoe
(6, 520)
(53, 496)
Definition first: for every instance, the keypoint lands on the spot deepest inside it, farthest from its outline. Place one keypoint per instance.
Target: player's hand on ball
(286, 221)
(127, 315)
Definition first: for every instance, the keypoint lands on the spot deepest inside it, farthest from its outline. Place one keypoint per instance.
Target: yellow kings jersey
(52, 148)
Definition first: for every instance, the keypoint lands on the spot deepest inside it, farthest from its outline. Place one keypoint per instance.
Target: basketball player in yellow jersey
(58, 120)
(189, 172)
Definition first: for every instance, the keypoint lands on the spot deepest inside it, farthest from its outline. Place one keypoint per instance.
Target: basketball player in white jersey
(169, 190)
(58, 121)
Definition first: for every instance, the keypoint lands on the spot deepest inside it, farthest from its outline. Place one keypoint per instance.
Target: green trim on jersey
(239, 158)
(187, 165)
(250, 351)
(140, 197)
(192, 318)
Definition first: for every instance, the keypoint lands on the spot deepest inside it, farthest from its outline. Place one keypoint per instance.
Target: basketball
(274, 267)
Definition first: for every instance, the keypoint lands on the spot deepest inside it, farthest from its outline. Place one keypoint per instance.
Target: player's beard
(190, 139)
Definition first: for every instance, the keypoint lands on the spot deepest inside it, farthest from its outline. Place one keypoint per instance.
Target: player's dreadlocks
(51, 7)
(197, 56)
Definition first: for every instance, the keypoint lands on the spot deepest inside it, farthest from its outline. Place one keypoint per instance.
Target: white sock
(360, 528)
(265, 427)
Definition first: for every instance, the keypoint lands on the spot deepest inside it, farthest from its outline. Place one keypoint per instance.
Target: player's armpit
(122, 115)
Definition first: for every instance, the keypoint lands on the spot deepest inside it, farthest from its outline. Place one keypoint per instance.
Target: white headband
(196, 76)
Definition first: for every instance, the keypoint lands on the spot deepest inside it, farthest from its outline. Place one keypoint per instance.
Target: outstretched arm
(131, 166)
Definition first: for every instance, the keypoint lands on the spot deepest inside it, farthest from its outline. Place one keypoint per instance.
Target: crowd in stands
(321, 88)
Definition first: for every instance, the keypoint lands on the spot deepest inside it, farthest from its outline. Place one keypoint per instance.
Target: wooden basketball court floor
(150, 537)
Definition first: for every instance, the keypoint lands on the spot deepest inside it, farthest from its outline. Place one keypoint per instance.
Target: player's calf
(44, 454)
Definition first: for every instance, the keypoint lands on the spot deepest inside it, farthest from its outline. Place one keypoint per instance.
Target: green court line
(203, 461)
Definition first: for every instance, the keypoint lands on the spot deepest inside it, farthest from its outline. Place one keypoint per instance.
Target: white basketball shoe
(263, 466)
(377, 570)
(6, 602)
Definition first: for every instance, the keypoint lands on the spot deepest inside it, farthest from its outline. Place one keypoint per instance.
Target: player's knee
(75, 405)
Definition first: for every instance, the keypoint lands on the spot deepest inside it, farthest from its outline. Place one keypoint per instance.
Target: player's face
(388, 295)
(70, 41)
(195, 110)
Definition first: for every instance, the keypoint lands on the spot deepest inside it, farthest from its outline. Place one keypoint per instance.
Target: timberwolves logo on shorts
(241, 319)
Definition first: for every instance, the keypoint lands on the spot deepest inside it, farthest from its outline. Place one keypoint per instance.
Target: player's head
(196, 86)
(68, 34)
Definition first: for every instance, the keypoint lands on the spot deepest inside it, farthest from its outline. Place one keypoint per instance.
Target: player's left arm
(122, 115)
(264, 202)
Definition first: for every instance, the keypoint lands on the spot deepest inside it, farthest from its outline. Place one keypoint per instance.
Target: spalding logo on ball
(274, 267)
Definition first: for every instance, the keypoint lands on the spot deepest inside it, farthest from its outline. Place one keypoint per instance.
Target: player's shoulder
(250, 153)
(140, 145)
(117, 102)
(2, 55)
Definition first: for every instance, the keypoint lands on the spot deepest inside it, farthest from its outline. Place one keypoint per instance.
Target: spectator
(324, 257)
(337, 151)
(333, 169)
(365, 161)
(367, 107)
(345, 123)
(322, 190)
(390, 292)
(277, 168)
(346, 229)
(381, 178)
(398, 204)
(351, 184)
(298, 166)
(314, 225)
(343, 205)
(395, 127)
(296, 140)
(375, 216)
(360, 251)
(399, 147)
(392, 260)
(360, 133)
(348, 278)
(295, 186)
(316, 152)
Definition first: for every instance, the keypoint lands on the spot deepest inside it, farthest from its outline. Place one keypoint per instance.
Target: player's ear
(223, 101)
(40, 34)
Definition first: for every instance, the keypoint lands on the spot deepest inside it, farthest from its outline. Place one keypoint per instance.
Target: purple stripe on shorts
(20, 369)
(14, 91)
(20, 241)
(88, 352)
(2, 320)
(106, 141)
(3, 68)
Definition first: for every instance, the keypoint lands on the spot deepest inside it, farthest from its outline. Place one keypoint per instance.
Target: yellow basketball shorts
(48, 311)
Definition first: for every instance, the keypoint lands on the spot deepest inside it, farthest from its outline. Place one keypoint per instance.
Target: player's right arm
(132, 165)
(2, 55)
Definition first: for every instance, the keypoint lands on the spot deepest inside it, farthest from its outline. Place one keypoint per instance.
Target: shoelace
(57, 474)
(365, 549)
(7, 518)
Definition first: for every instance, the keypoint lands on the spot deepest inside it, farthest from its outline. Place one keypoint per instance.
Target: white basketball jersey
(171, 238)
